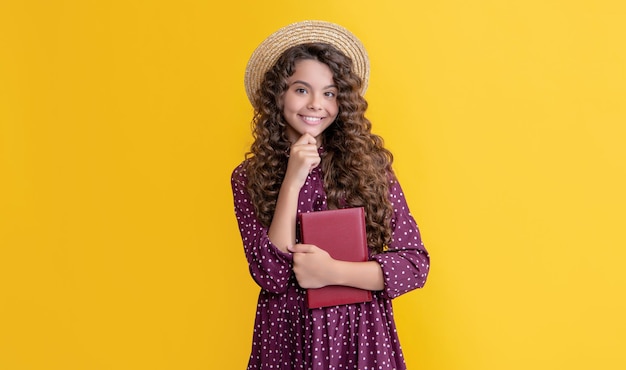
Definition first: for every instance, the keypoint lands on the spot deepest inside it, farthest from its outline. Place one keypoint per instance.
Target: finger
(307, 153)
(315, 163)
(305, 149)
(305, 139)
(302, 248)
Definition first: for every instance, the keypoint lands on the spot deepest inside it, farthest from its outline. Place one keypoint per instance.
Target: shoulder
(394, 185)
(240, 169)
(392, 179)
(239, 174)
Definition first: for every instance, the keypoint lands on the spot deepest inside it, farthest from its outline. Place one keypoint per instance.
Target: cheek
(336, 109)
(280, 102)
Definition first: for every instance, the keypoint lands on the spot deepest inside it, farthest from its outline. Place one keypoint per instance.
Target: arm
(406, 263)
(402, 268)
(365, 275)
(266, 248)
(282, 231)
(269, 266)
(315, 268)
(303, 157)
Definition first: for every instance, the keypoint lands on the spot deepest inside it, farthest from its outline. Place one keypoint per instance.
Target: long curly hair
(356, 166)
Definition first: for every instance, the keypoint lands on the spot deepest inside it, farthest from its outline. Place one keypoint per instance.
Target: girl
(313, 150)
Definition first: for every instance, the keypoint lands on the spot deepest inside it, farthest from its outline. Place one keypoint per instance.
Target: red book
(340, 232)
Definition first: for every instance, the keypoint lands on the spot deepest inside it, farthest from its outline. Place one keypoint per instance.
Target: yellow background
(121, 121)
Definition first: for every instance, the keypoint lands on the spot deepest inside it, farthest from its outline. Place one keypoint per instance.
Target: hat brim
(268, 52)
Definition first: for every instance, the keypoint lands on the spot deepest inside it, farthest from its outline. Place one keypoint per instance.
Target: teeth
(312, 119)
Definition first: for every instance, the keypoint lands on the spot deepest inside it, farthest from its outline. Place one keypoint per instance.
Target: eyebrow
(309, 85)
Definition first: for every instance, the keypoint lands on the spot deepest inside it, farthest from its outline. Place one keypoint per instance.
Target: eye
(330, 94)
(300, 90)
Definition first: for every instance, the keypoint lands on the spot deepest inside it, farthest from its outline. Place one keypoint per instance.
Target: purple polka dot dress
(288, 335)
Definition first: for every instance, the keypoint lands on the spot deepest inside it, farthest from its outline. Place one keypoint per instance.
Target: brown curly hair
(356, 166)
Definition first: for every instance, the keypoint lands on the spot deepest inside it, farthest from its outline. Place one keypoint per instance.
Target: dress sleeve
(406, 262)
(270, 268)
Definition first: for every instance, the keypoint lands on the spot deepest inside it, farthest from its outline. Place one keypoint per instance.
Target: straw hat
(268, 52)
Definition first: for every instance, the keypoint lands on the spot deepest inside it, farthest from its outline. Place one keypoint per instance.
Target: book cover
(340, 232)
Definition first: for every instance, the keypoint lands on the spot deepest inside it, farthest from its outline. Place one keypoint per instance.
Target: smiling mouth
(312, 119)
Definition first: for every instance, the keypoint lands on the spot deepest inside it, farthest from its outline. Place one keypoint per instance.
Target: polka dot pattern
(287, 335)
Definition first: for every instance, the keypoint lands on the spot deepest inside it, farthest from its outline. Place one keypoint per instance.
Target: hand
(303, 158)
(313, 266)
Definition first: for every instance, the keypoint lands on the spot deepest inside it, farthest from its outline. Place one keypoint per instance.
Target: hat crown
(310, 31)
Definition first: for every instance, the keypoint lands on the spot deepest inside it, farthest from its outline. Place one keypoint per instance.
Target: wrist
(364, 275)
(290, 187)
(337, 274)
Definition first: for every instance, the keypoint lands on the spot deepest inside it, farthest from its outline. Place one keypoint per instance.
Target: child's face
(310, 102)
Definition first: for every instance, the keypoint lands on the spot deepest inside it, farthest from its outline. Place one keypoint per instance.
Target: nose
(315, 102)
